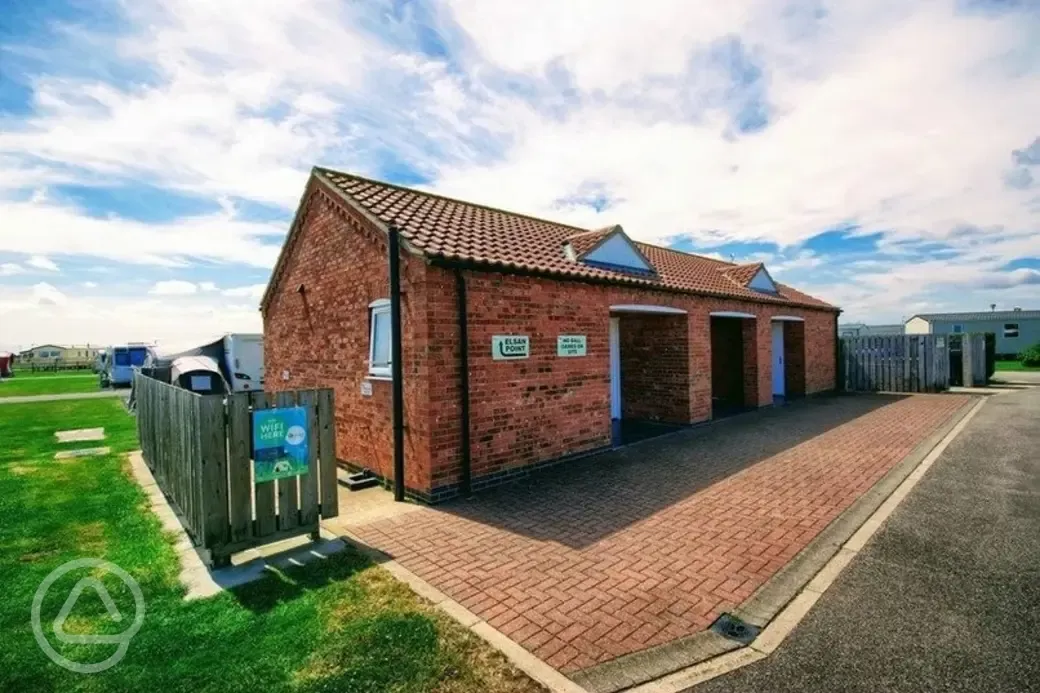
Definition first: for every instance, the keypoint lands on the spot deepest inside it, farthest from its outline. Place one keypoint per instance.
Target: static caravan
(120, 361)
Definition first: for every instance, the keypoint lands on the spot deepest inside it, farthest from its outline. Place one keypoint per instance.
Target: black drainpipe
(460, 293)
(395, 361)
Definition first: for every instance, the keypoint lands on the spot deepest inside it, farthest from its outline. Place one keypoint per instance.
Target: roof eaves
(648, 282)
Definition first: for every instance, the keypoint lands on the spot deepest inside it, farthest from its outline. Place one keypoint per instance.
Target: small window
(379, 338)
(957, 329)
(1011, 330)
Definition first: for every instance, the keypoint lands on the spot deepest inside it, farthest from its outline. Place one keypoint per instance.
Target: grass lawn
(341, 625)
(1014, 366)
(25, 383)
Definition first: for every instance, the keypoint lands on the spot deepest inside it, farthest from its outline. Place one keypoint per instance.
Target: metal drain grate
(729, 626)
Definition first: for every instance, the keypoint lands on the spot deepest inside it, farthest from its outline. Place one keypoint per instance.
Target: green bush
(1031, 356)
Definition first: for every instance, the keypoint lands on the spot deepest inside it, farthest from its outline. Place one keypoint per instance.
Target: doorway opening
(649, 373)
(788, 359)
(734, 365)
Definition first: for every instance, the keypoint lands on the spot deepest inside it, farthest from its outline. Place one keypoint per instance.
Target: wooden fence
(199, 448)
(911, 363)
(896, 363)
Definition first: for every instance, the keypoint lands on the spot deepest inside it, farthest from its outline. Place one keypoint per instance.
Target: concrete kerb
(798, 606)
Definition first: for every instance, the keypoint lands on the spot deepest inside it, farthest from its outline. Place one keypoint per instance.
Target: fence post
(214, 475)
(327, 450)
(309, 481)
(240, 481)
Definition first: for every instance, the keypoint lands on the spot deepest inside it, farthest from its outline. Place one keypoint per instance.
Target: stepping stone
(82, 452)
(80, 434)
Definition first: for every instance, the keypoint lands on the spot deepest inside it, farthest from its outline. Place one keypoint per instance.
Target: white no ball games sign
(570, 345)
(509, 347)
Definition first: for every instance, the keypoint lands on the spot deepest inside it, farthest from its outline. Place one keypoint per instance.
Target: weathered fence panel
(896, 363)
(200, 450)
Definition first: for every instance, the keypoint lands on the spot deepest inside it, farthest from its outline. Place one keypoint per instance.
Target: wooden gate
(199, 448)
(896, 363)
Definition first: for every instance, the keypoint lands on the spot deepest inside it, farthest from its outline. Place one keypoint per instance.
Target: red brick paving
(641, 546)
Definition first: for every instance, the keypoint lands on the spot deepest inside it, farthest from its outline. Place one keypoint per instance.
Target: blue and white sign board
(570, 345)
(509, 347)
(280, 443)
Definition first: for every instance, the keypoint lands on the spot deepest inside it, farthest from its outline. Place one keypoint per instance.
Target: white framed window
(1010, 330)
(957, 329)
(379, 338)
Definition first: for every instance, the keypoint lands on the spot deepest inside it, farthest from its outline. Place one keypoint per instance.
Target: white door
(778, 358)
(615, 370)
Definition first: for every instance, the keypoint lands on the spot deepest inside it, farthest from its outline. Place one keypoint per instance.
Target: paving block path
(640, 546)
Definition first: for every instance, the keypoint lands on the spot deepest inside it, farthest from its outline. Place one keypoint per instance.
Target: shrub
(1031, 356)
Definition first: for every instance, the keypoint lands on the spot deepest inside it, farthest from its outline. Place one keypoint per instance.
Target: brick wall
(320, 336)
(655, 373)
(522, 411)
(529, 411)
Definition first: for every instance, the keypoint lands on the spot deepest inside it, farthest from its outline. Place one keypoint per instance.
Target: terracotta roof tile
(442, 227)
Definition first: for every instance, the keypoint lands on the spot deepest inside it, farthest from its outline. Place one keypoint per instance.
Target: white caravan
(244, 360)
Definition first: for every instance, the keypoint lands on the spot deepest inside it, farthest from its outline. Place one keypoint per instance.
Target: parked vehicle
(100, 360)
(200, 374)
(238, 360)
(244, 359)
(120, 362)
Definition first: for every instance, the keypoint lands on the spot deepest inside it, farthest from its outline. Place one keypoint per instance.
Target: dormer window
(754, 276)
(609, 249)
(762, 282)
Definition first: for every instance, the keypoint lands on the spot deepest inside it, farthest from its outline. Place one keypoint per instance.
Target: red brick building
(577, 339)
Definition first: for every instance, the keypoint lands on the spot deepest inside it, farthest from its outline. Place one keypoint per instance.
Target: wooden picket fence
(199, 448)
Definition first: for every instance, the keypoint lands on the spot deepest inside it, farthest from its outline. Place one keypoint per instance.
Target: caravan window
(122, 358)
(137, 356)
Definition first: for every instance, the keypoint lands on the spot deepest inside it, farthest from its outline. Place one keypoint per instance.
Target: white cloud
(9, 269)
(891, 122)
(42, 262)
(900, 117)
(43, 314)
(44, 294)
(90, 285)
(252, 291)
(217, 237)
(173, 287)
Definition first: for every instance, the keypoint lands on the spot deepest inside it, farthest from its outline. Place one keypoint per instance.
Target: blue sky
(882, 155)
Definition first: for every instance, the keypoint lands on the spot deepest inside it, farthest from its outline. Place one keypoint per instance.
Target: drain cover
(729, 626)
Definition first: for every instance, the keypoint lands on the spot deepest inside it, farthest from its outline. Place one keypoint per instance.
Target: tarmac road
(946, 597)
